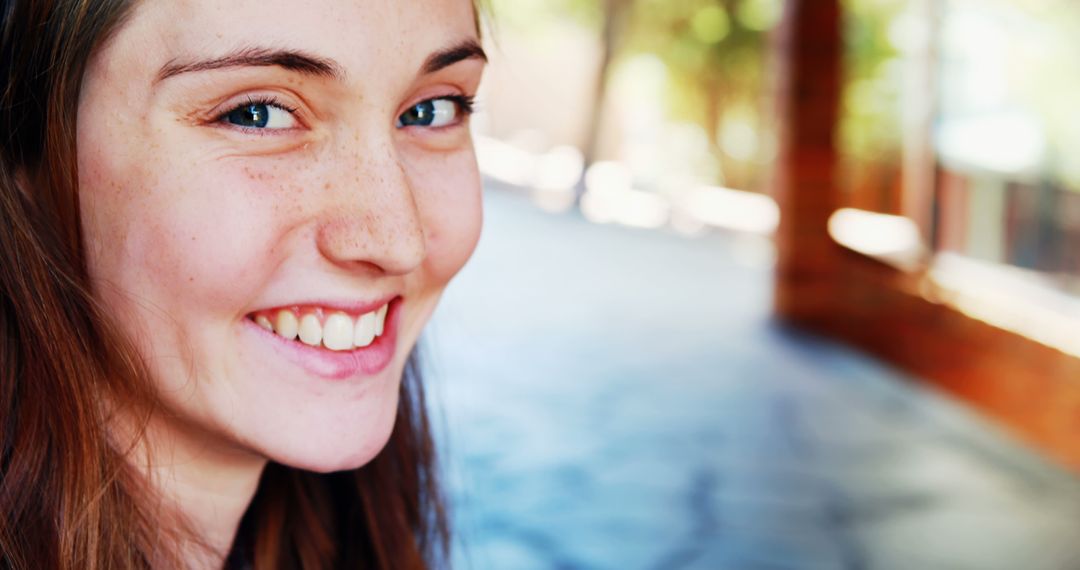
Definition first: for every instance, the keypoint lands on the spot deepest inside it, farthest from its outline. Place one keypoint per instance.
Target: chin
(339, 440)
(325, 457)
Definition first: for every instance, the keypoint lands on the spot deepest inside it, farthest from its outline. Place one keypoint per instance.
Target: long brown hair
(69, 498)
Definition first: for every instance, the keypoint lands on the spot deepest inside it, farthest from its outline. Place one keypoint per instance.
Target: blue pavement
(621, 399)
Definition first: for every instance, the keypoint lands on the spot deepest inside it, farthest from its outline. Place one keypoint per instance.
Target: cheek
(190, 240)
(452, 216)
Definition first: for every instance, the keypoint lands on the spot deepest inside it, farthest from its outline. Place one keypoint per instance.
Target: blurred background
(770, 284)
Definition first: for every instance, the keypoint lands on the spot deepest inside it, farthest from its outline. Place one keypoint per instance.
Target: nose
(371, 217)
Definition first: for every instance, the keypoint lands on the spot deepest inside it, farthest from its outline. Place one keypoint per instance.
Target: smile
(323, 327)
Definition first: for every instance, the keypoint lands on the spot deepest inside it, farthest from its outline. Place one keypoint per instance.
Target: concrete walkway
(620, 399)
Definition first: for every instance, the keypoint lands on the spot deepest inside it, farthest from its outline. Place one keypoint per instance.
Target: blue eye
(435, 113)
(260, 115)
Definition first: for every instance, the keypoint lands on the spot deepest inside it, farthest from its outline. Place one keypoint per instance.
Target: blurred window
(1007, 135)
(959, 115)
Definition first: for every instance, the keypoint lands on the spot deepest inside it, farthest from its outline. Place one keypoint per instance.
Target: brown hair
(69, 498)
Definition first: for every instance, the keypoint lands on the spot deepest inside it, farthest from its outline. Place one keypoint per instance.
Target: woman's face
(274, 195)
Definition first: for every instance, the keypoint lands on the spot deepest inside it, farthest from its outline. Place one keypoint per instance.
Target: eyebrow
(468, 49)
(308, 64)
(258, 57)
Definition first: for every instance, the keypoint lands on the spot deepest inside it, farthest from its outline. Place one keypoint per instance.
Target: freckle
(326, 186)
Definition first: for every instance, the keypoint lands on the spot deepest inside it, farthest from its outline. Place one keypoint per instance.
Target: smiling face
(273, 200)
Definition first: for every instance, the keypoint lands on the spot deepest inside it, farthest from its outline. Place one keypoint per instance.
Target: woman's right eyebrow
(292, 60)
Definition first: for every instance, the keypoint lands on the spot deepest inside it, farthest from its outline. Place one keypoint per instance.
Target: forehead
(363, 36)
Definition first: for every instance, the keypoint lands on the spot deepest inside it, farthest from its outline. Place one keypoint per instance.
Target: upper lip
(350, 306)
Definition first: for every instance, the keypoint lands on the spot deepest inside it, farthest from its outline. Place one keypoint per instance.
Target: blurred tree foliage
(715, 52)
(870, 133)
(717, 58)
(870, 123)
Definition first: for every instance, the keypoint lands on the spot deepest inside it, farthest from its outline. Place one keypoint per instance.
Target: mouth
(324, 327)
(332, 342)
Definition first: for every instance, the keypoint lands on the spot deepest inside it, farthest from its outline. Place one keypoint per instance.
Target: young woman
(223, 226)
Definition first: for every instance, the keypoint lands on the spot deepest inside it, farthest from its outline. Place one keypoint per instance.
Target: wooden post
(810, 51)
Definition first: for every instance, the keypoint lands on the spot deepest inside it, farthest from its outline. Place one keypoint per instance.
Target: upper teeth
(338, 331)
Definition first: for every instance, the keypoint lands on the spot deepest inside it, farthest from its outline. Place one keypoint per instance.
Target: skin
(191, 224)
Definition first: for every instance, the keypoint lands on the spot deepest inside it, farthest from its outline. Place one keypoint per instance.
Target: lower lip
(338, 365)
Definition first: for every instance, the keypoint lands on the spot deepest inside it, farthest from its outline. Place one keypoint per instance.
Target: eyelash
(267, 100)
(466, 103)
